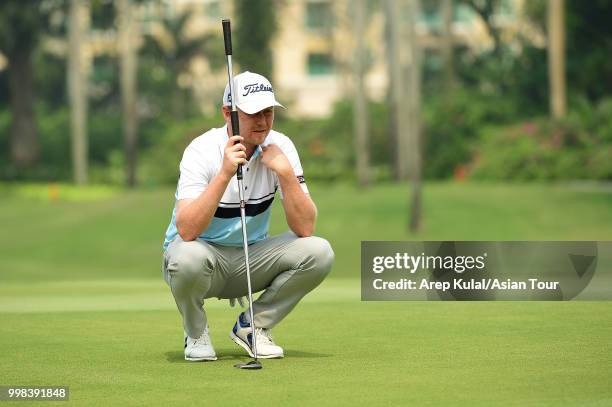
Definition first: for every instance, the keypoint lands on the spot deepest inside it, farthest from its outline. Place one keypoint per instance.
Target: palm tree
(77, 87)
(446, 11)
(175, 51)
(360, 111)
(128, 57)
(397, 127)
(556, 58)
(414, 115)
(255, 28)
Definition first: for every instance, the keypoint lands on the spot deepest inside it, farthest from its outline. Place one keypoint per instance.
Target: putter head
(252, 365)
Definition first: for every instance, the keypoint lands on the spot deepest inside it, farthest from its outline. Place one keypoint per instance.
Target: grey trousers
(284, 267)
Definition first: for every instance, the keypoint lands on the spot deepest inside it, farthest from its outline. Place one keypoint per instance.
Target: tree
(486, 10)
(397, 125)
(556, 58)
(360, 111)
(588, 46)
(20, 27)
(172, 51)
(128, 58)
(77, 87)
(446, 11)
(413, 92)
(255, 26)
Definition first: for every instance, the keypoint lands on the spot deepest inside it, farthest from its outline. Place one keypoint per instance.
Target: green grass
(121, 236)
(338, 352)
(82, 304)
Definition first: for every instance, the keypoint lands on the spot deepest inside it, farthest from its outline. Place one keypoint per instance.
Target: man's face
(253, 127)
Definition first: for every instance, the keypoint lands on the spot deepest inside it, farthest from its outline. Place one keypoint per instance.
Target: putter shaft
(227, 39)
(245, 244)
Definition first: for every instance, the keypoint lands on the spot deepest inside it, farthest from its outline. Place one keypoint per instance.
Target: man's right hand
(233, 155)
(194, 215)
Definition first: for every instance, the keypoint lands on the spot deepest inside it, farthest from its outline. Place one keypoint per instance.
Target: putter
(227, 38)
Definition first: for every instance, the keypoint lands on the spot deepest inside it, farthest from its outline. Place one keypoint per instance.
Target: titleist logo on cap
(256, 87)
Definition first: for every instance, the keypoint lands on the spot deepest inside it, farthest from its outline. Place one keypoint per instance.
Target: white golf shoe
(199, 349)
(266, 348)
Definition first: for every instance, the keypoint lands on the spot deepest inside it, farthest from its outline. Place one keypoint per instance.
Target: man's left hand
(274, 158)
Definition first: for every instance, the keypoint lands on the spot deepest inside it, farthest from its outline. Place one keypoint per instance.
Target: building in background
(313, 47)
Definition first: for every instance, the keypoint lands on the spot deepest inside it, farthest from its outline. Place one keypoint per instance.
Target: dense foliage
(577, 147)
(252, 32)
(491, 125)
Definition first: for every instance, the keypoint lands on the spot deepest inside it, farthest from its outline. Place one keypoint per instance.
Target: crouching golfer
(203, 255)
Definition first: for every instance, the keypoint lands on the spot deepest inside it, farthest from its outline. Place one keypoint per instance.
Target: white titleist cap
(253, 93)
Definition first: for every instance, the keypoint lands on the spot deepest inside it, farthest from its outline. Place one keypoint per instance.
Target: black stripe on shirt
(251, 199)
(250, 209)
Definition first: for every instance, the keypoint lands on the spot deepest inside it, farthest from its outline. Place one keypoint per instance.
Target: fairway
(83, 305)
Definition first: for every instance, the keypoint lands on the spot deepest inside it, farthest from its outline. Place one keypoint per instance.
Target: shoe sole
(246, 347)
(205, 359)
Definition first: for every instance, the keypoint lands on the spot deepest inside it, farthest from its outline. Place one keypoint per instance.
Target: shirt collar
(257, 152)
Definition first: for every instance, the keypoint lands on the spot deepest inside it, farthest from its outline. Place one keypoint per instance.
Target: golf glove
(240, 301)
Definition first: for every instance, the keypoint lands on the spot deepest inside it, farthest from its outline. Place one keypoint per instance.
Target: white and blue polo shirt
(202, 161)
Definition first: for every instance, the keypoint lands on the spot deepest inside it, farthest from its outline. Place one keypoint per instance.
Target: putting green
(82, 304)
(124, 347)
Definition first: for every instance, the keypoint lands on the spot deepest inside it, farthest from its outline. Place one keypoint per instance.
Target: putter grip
(236, 132)
(235, 125)
(227, 36)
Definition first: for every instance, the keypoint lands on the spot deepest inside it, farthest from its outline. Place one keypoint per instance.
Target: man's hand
(274, 159)
(233, 155)
(300, 211)
(194, 215)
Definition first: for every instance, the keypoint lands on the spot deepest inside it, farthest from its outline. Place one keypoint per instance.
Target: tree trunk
(446, 11)
(414, 115)
(128, 58)
(486, 11)
(24, 136)
(395, 94)
(77, 87)
(556, 58)
(360, 110)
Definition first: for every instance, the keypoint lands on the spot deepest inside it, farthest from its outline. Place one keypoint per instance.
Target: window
(320, 64)
(319, 16)
(429, 15)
